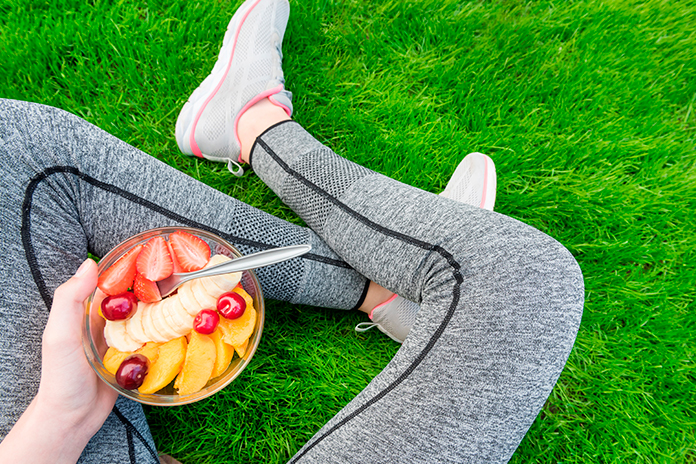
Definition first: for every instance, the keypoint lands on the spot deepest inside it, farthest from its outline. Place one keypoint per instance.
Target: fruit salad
(188, 338)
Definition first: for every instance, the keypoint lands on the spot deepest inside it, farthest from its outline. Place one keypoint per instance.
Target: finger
(65, 319)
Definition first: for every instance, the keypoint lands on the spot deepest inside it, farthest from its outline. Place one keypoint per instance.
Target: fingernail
(83, 267)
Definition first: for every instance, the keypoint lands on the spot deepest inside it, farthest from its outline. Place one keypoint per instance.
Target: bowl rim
(154, 399)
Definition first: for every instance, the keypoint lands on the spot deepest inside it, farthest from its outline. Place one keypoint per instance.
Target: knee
(535, 273)
(21, 119)
(556, 284)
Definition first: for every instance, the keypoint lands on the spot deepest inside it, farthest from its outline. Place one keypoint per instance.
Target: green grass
(587, 109)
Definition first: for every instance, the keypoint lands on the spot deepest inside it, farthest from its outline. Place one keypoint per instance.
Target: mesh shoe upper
(395, 317)
(473, 182)
(249, 68)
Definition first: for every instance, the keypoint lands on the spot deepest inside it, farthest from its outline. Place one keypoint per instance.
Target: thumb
(79, 286)
(68, 299)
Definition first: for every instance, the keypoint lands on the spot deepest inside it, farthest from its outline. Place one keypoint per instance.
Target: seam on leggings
(251, 153)
(399, 236)
(130, 427)
(131, 446)
(32, 260)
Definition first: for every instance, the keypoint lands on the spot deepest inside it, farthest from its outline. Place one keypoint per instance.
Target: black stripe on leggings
(131, 446)
(399, 236)
(130, 431)
(29, 247)
(270, 128)
(361, 300)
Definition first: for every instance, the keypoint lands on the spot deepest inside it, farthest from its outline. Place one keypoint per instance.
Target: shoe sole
(204, 94)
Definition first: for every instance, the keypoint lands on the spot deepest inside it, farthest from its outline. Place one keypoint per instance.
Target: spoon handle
(244, 263)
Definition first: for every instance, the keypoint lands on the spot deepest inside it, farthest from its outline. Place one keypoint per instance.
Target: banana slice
(182, 316)
(210, 283)
(201, 295)
(117, 337)
(166, 311)
(177, 317)
(160, 322)
(187, 300)
(211, 287)
(149, 327)
(226, 282)
(134, 325)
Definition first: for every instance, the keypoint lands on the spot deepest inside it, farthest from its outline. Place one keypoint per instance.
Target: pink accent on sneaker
(192, 139)
(382, 304)
(276, 103)
(485, 181)
(251, 103)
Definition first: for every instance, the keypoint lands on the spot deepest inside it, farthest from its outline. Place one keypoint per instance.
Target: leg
(500, 301)
(217, 121)
(70, 188)
(500, 307)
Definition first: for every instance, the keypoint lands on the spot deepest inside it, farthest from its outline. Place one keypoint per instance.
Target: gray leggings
(500, 301)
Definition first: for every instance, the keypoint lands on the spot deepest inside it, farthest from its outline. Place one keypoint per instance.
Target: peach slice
(249, 300)
(199, 364)
(224, 353)
(241, 349)
(113, 358)
(166, 367)
(237, 331)
(150, 351)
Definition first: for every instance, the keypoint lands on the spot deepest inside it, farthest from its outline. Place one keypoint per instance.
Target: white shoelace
(365, 326)
(239, 172)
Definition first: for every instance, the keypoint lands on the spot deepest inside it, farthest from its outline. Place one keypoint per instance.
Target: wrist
(51, 436)
(72, 425)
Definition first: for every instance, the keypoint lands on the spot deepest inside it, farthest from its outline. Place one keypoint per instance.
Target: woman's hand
(72, 402)
(69, 387)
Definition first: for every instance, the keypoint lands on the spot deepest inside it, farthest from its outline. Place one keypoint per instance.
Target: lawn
(587, 108)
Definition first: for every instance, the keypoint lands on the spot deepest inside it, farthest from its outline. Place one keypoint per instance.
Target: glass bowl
(93, 329)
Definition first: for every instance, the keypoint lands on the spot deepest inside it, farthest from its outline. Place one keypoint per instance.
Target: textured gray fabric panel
(312, 206)
(111, 443)
(501, 304)
(69, 188)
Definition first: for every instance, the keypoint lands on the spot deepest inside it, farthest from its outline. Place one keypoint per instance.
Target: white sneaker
(248, 69)
(394, 317)
(474, 183)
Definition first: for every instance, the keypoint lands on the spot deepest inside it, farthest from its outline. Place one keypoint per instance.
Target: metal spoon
(244, 263)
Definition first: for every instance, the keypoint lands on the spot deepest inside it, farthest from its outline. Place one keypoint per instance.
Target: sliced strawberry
(177, 266)
(120, 275)
(146, 290)
(154, 261)
(191, 252)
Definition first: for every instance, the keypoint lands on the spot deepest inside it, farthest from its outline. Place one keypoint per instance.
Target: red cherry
(118, 307)
(231, 305)
(206, 321)
(132, 371)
